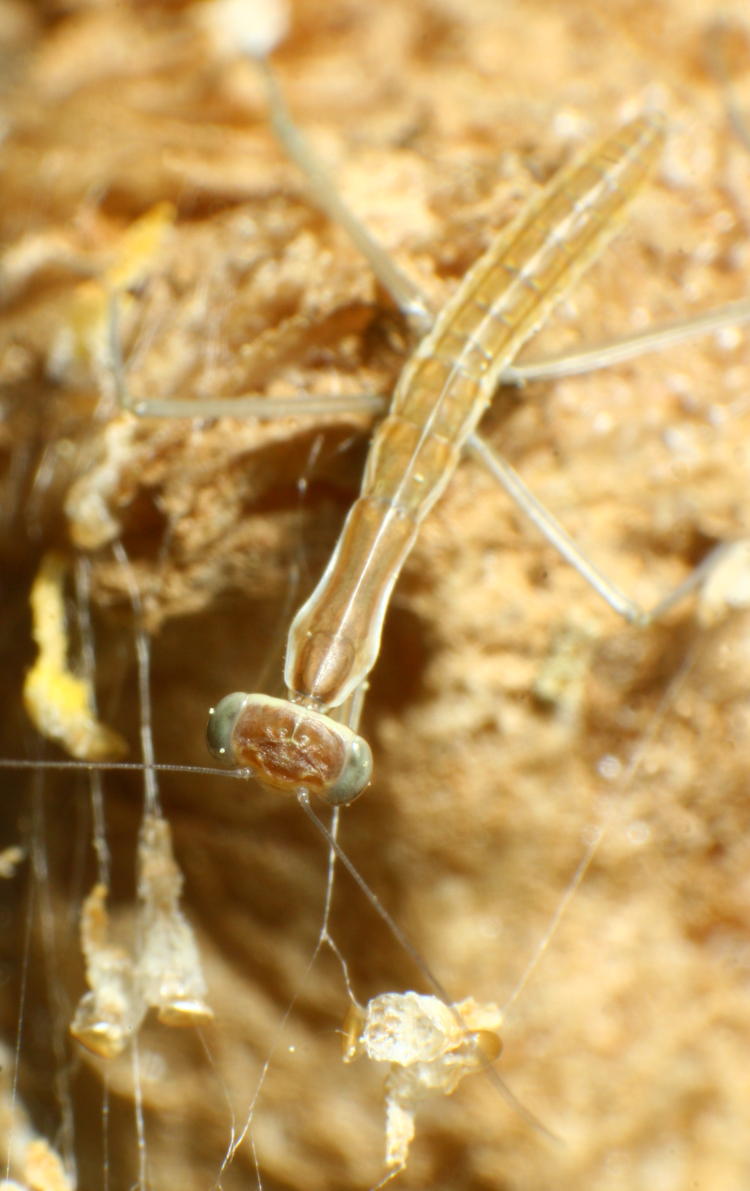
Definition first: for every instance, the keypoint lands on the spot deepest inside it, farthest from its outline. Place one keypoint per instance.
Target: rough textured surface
(438, 119)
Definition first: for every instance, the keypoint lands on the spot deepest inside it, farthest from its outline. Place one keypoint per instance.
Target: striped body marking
(446, 385)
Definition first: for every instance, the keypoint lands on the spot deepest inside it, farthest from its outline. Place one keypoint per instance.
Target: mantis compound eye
(221, 720)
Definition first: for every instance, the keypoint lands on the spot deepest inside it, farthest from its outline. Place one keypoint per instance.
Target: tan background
(439, 119)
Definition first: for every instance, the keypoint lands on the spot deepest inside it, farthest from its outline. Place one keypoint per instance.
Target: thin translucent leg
(615, 351)
(387, 1178)
(246, 405)
(405, 293)
(243, 406)
(558, 537)
(415, 305)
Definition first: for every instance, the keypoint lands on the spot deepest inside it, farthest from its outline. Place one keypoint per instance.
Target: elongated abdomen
(439, 399)
(441, 394)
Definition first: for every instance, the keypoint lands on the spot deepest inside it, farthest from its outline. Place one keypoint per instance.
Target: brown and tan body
(442, 392)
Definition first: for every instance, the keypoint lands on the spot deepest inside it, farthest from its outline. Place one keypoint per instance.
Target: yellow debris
(59, 702)
(44, 1169)
(10, 858)
(86, 333)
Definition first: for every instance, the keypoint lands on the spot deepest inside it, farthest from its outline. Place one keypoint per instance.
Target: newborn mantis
(237, 410)
(293, 744)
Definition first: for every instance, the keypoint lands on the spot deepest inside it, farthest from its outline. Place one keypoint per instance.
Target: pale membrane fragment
(429, 1045)
(59, 702)
(245, 26)
(727, 585)
(15, 1126)
(90, 501)
(165, 971)
(111, 1012)
(44, 1169)
(10, 858)
(30, 1162)
(168, 961)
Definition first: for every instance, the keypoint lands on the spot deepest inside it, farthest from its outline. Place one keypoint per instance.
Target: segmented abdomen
(441, 395)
